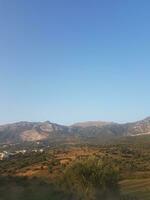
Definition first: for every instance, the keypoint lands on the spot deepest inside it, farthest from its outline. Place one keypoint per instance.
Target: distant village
(6, 154)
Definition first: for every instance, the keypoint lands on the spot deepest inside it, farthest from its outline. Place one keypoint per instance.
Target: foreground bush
(92, 178)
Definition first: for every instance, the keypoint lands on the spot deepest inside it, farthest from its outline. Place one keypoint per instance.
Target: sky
(67, 61)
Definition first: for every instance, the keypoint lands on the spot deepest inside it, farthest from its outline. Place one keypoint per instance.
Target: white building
(4, 155)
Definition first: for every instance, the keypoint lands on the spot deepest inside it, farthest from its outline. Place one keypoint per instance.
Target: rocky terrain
(36, 131)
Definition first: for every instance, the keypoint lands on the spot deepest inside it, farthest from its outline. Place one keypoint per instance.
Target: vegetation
(23, 188)
(119, 170)
(91, 178)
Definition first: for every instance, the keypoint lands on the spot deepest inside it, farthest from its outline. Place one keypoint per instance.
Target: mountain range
(39, 131)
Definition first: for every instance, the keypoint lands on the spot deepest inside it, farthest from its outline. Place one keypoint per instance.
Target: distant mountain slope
(91, 123)
(114, 129)
(30, 131)
(139, 128)
(36, 131)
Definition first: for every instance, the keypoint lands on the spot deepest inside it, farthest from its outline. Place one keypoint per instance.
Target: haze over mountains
(39, 131)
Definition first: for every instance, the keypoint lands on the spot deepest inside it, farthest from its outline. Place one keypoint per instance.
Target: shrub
(91, 177)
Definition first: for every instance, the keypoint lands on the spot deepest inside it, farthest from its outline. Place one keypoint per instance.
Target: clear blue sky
(68, 61)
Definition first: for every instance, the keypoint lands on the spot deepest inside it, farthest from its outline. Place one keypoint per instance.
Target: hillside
(30, 131)
(37, 131)
(91, 123)
(58, 172)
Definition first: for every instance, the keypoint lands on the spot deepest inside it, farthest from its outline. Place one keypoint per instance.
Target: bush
(91, 177)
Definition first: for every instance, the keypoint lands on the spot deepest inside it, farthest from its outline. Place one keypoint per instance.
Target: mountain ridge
(37, 131)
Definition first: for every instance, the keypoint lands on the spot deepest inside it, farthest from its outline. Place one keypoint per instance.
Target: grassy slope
(137, 187)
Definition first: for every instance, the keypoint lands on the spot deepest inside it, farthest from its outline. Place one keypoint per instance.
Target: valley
(43, 167)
